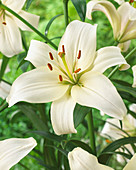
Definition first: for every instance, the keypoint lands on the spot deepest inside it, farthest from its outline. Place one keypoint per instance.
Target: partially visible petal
(124, 46)
(37, 86)
(132, 107)
(10, 38)
(80, 159)
(107, 57)
(62, 115)
(4, 89)
(31, 18)
(132, 13)
(15, 5)
(97, 91)
(38, 53)
(109, 10)
(134, 76)
(120, 1)
(131, 165)
(110, 131)
(13, 150)
(79, 36)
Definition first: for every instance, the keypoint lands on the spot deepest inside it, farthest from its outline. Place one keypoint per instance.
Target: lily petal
(124, 46)
(4, 89)
(62, 115)
(31, 18)
(10, 38)
(79, 36)
(110, 131)
(14, 5)
(13, 150)
(131, 164)
(132, 13)
(107, 57)
(38, 53)
(97, 91)
(134, 76)
(37, 86)
(109, 10)
(81, 159)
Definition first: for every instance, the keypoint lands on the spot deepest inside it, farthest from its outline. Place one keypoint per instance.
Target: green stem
(65, 4)
(28, 24)
(4, 64)
(127, 56)
(91, 131)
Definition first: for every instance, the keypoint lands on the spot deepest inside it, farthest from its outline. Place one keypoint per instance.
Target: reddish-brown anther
(50, 66)
(4, 23)
(60, 78)
(79, 54)
(51, 56)
(76, 71)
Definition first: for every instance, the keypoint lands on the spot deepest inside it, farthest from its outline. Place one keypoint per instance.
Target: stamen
(79, 55)
(51, 56)
(63, 49)
(60, 78)
(4, 23)
(131, 1)
(61, 54)
(50, 66)
(76, 71)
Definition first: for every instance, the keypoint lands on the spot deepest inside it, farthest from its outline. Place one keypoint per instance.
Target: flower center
(68, 75)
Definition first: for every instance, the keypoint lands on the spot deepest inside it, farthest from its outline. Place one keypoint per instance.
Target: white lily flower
(4, 87)
(122, 22)
(81, 159)
(13, 150)
(10, 36)
(134, 76)
(71, 75)
(112, 132)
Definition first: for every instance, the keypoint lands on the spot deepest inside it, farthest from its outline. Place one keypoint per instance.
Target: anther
(108, 141)
(60, 78)
(4, 23)
(50, 66)
(131, 1)
(63, 49)
(79, 54)
(51, 56)
(76, 71)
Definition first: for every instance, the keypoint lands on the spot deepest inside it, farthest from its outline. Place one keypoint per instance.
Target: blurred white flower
(71, 75)
(13, 150)
(123, 20)
(10, 36)
(4, 87)
(80, 159)
(134, 76)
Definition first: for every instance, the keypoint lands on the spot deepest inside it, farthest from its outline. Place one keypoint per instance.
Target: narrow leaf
(5, 61)
(80, 6)
(28, 4)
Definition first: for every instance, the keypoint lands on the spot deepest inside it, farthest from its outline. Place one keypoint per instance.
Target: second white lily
(71, 75)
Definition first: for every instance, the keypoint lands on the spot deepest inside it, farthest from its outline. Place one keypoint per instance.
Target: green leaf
(104, 157)
(5, 61)
(76, 143)
(79, 114)
(50, 23)
(49, 136)
(80, 6)
(28, 4)
(125, 89)
(33, 116)
(23, 64)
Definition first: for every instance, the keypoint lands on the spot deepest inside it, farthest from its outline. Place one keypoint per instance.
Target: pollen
(51, 56)
(60, 78)
(108, 141)
(63, 49)
(76, 71)
(50, 66)
(4, 23)
(79, 55)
